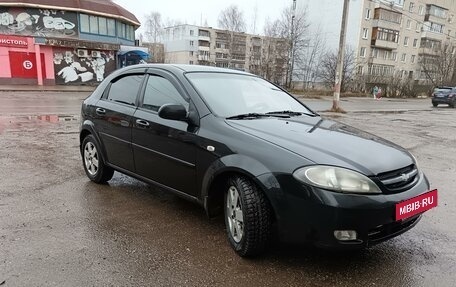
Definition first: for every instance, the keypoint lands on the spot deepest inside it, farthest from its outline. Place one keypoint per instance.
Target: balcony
(434, 19)
(433, 35)
(204, 48)
(384, 44)
(428, 51)
(384, 24)
(203, 58)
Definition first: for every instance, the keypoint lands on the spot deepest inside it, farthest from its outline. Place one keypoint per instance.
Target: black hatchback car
(444, 95)
(241, 146)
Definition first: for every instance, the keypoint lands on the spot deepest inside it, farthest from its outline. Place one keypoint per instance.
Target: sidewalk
(56, 88)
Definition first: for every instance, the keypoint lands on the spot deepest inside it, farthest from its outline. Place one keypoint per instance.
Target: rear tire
(451, 105)
(435, 104)
(93, 161)
(248, 216)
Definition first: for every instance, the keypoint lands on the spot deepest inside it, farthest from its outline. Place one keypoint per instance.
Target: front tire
(248, 217)
(93, 161)
(435, 104)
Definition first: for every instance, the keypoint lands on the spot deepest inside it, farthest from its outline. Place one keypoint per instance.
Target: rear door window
(124, 90)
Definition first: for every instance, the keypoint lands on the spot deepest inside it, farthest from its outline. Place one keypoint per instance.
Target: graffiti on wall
(38, 22)
(82, 66)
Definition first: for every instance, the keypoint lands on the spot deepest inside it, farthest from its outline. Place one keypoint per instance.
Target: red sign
(416, 205)
(23, 65)
(13, 41)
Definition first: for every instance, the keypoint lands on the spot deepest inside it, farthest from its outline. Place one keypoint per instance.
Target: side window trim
(138, 95)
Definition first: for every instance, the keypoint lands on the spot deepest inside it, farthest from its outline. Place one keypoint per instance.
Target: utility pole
(340, 59)
(291, 62)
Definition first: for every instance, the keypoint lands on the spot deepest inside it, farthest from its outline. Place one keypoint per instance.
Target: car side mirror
(174, 112)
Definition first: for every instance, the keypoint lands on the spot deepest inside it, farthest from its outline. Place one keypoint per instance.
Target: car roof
(187, 68)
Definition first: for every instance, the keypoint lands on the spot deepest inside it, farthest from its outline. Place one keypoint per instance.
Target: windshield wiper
(255, 116)
(248, 115)
(290, 113)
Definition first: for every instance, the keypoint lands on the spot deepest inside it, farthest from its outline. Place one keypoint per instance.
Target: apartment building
(189, 44)
(396, 35)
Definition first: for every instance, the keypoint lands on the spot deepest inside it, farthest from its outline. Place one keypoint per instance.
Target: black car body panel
(188, 157)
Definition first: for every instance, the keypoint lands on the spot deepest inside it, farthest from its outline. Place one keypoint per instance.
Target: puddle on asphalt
(16, 121)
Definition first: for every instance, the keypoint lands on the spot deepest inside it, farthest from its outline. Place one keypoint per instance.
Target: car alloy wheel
(91, 158)
(234, 214)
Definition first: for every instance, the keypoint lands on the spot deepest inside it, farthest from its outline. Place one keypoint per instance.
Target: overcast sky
(323, 13)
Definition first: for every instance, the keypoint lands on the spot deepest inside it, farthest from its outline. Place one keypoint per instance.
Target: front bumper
(309, 214)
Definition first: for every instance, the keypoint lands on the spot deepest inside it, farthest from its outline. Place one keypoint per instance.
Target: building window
(374, 53)
(365, 33)
(102, 26)
(406, 39)
(105, 27)
(191, 62)
(192, 32)
(433, 27)
(85, 25)
(360, 70)
(387, 35)
(411, 6)
(418, 27)
(190, 53)
(421, 10)
(362, 52)
(368, 14)
(380, 70)
(436, 11)
(409, 24)
(412, 59)
(93, 24)
(191, 43)
(394, 56)
(111, 27)
(415, 43)
(404, 57)
(388, 15)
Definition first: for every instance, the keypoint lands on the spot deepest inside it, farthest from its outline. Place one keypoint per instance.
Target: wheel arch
(87, 128)
(220, 171)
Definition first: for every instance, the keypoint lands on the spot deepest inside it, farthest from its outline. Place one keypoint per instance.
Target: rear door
(164, 150)
(114, 118)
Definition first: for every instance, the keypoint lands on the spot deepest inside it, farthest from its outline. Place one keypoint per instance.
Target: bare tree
(294, 27)
(274, 56)
(254, 18)
(329, 65)
(232, 19)
(438, 63)
(311, 58)
(154, 26)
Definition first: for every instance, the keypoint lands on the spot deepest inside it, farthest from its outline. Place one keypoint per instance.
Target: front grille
(400, 179)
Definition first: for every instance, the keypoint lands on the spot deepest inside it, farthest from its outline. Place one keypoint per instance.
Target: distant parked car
(241, 146)
(444, 95)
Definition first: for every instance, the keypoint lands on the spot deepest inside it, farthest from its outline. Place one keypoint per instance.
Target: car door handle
(100, 111)
(142, 123)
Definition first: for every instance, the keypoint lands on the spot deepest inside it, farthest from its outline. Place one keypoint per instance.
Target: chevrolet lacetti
(241, 146)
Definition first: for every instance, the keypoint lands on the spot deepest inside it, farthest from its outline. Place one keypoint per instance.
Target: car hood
(328, 142)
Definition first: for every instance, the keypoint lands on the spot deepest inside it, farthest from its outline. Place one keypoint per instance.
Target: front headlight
(336, 179)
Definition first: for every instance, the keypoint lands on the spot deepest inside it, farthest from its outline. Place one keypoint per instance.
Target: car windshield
(229, 95)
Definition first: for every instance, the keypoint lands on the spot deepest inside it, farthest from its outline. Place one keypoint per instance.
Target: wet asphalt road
(59, 229)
